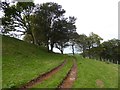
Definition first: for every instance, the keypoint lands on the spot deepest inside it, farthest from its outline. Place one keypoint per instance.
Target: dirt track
(66, 83)
(42, 77)
(70, 77)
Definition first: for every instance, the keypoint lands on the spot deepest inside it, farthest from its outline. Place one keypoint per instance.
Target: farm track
(70, 77)
(42, 77)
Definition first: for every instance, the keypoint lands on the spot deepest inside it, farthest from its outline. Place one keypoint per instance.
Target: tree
(93, 41)
(60, 35)
(28, 38)
(73, 35)
(64, 29)
(41, 24)
(73, 40)
(82, 43)
(18, 17)
(52, 24)
(111, 50)
(95, 52)
(47, 14)
(7, 22)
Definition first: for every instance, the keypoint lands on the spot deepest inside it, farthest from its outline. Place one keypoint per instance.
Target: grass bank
(96, 74)
(22, 62)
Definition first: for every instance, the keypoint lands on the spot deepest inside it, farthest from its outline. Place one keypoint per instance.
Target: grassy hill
(21, 62)
(96, 74)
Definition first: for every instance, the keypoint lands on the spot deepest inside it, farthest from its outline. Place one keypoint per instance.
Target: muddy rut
(42, 77)
(70, 77)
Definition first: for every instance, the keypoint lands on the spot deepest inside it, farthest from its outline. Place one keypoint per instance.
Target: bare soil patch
(100, 83)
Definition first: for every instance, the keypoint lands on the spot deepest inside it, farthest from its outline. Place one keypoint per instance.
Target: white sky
(98, 16)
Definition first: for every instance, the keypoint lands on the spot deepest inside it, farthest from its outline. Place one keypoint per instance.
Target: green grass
(22, 62)
(56, 79)
(119, 76)
(90, 71)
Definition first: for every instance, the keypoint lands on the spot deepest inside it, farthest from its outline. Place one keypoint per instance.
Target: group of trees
(92, 47)
(43, 24)
(86, 43)
(111, 50)
(46, 25)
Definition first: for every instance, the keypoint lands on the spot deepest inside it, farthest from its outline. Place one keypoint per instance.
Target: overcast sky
(98, 16)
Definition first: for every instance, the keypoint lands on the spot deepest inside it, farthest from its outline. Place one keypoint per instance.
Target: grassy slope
(91, 71)
(56, 79)
(119, 76)
(22, 62)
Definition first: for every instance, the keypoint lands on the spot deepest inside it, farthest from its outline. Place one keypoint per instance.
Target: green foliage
(44, 24)
(46, 15)
(73, 40)
(28, 38)
(111, 50)
(17, 17)
(94, 40)
(91, 47)
(82, 43)
(54, 27)
(63, 29)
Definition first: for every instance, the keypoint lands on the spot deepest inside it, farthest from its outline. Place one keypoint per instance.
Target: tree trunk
(33, 38)
(89, 52)
(48, 47)
(73, 49)
(52, 45)
(47, 42)
(84, 52)
(61, 51)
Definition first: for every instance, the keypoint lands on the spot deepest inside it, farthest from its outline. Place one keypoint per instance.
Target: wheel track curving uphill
(70, 77)
(42, 77)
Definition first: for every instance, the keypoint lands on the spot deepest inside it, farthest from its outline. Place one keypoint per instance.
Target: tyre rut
(70, 77)
(42, 77)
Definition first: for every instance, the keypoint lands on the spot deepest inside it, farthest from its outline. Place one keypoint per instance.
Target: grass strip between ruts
(57, 78)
